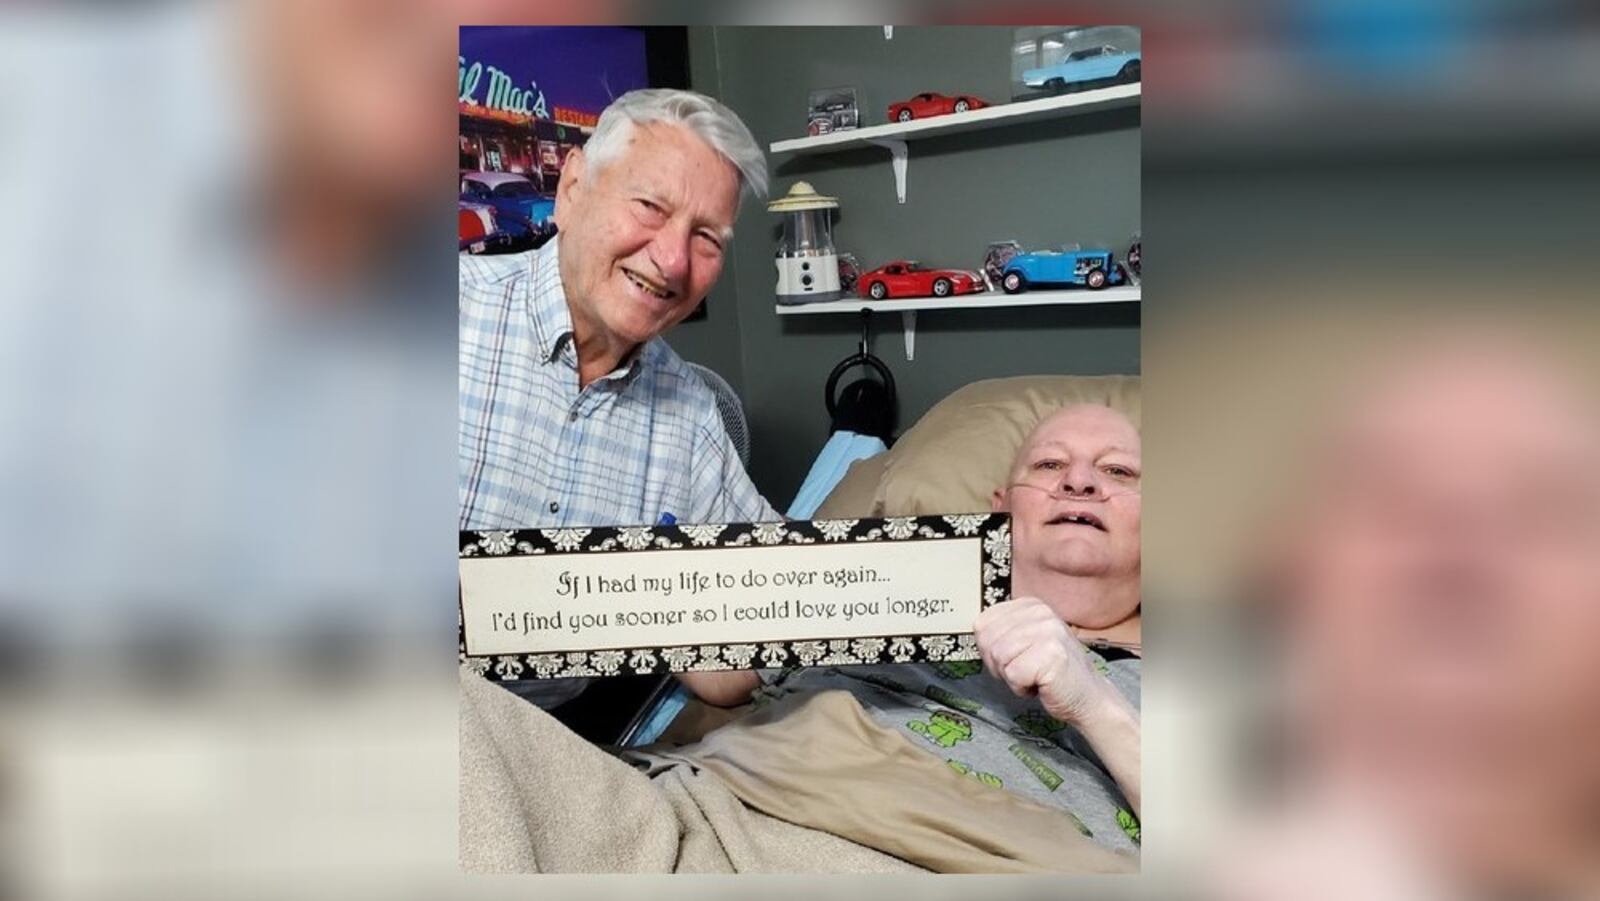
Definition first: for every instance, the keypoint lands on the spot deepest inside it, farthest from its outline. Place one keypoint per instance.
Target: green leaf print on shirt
(1098, 661)
(1082, 826)
(988, 779)
(944, 728)
(1129, 824)
(1039, 724)
(958, 669)
(951, 699)
(1039, 769)
(883, 682)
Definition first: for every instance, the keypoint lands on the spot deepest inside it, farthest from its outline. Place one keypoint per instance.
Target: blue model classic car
(1091, 64)
(1090, 268)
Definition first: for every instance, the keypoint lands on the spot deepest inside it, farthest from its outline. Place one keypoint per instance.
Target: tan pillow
(961, 450)
(856, 495)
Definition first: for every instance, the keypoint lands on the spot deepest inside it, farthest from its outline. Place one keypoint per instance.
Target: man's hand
(1025, 644)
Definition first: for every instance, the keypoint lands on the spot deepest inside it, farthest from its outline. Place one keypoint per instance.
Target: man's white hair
(712, 122)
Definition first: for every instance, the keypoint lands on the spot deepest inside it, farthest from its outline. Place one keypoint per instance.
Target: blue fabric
(842, 449)
(666, 710)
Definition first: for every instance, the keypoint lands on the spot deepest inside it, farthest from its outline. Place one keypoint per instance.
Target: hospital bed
(948, 462)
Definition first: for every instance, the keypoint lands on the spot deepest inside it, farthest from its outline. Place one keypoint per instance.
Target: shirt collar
(547, 302)
(552, 319)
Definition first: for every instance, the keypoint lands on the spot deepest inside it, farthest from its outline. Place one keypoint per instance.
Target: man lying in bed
(1025, 761)
(1035, 717)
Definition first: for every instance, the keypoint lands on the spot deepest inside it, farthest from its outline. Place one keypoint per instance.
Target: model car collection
(1006, 267)
(1081, 59)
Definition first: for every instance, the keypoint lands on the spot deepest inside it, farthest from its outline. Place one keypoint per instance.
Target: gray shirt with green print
(979, 728)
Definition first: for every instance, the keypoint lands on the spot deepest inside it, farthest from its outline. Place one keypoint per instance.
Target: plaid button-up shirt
(537, 452)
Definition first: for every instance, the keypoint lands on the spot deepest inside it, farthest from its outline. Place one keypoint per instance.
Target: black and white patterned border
(994, 582)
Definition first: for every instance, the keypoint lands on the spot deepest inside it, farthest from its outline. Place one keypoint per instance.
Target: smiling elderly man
(574, 412)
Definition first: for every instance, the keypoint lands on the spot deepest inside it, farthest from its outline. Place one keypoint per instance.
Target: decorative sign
(556, 603)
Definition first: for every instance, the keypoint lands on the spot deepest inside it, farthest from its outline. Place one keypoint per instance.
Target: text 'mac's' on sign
(557, 603)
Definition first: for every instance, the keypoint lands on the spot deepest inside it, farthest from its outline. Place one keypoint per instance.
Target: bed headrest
(960, 450)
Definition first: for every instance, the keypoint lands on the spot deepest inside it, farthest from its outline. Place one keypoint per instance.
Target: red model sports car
(904, 278)
(924, 105)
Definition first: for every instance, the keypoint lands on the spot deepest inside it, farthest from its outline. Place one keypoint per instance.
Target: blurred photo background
(227, 443)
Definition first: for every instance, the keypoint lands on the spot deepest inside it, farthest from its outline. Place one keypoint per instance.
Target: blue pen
(667, 519)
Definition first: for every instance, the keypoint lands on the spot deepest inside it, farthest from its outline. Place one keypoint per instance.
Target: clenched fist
(1025, 644)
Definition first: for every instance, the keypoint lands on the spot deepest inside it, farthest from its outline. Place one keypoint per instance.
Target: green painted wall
(715, 340)
(1044, 184)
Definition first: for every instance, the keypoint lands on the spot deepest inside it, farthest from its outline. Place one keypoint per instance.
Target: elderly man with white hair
(574, 412)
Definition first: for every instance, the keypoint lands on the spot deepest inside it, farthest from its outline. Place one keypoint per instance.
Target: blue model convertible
(1091, 64)
(1090, 268)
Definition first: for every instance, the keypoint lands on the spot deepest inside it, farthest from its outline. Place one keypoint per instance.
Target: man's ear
(572, 182)
(997, 501)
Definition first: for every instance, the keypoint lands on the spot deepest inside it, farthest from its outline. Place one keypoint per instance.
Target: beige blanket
(808, 784)
(537, 798)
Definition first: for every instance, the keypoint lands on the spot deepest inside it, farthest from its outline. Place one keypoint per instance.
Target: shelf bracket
(897, 156)
(908, 325)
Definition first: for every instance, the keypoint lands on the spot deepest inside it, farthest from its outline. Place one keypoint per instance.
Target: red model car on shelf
(930, 104)
(904, 278)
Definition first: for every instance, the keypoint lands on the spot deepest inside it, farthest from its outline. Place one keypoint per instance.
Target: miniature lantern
(808, 269)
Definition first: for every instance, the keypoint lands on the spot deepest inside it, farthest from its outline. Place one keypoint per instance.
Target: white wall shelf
(894, 136)
(908, 307)
(1117, 294)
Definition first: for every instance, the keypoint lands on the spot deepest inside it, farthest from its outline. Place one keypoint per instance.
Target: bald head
(1073, 496)
(1082, 420)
